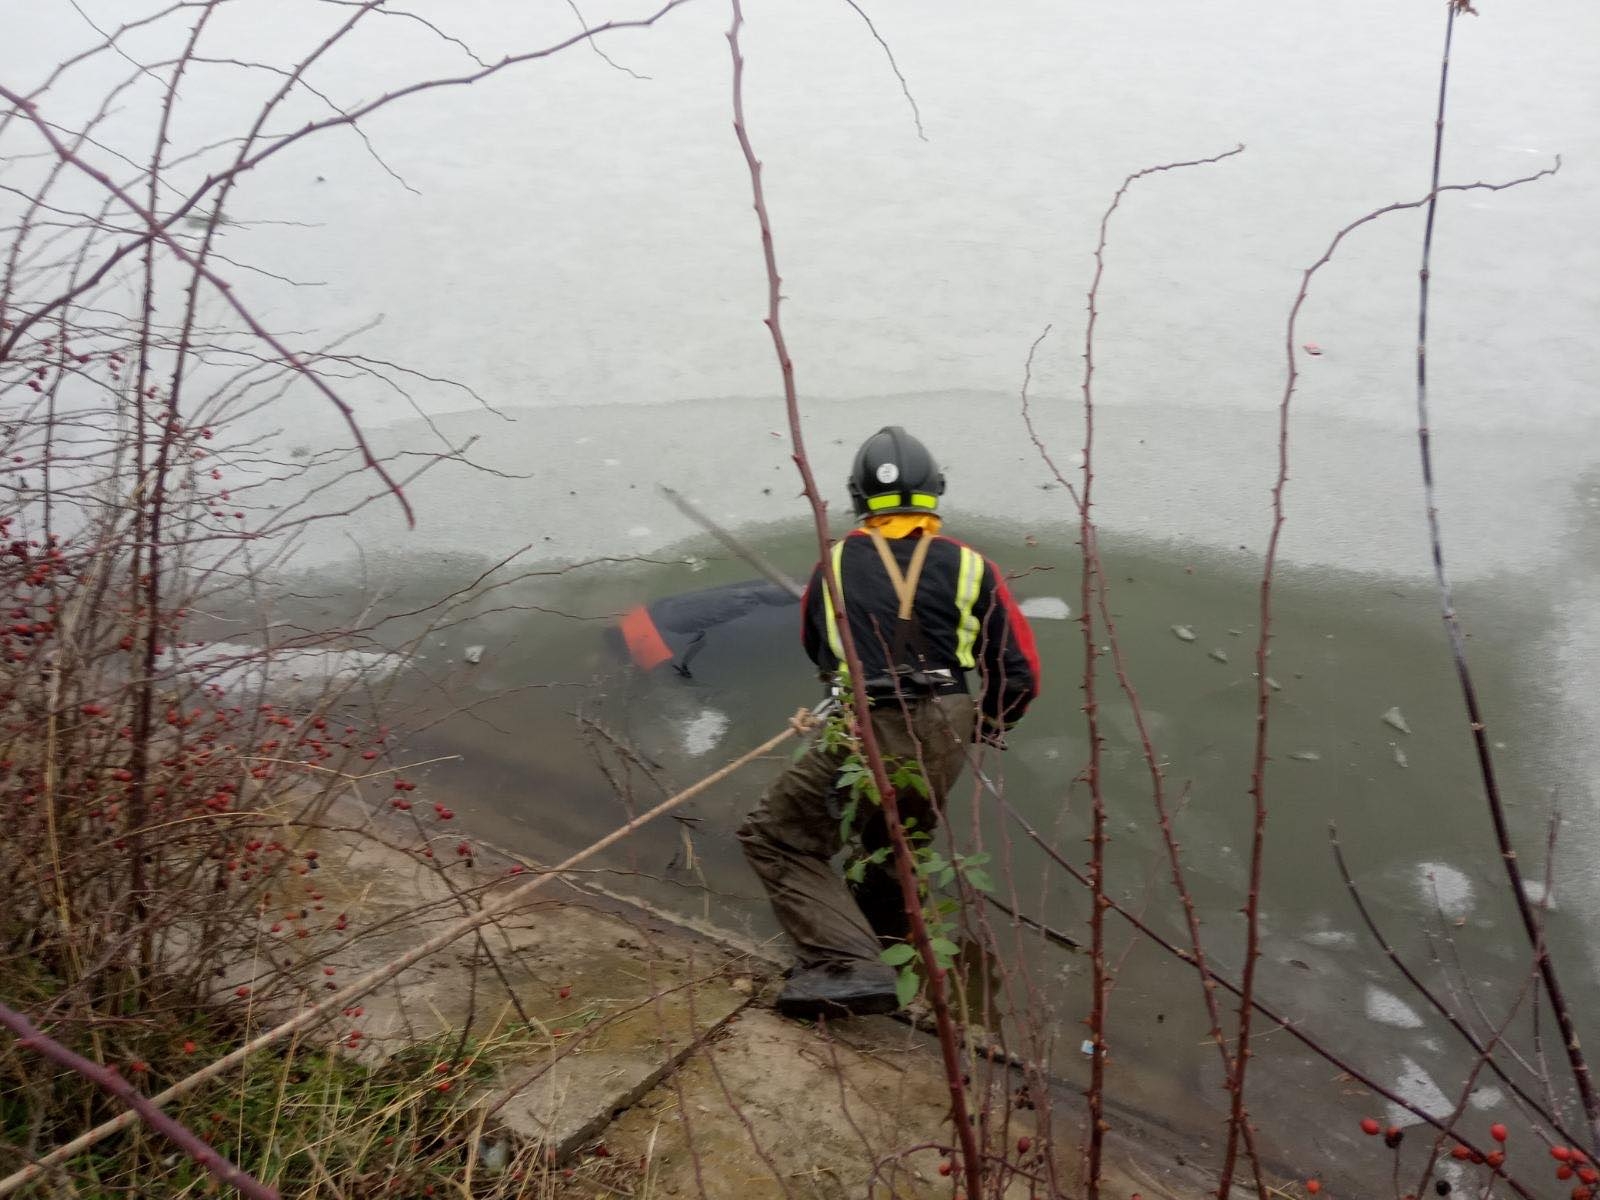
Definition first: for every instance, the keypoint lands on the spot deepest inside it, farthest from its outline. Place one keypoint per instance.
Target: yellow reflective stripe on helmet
(892, 500)
(835, 642)
(967, 582)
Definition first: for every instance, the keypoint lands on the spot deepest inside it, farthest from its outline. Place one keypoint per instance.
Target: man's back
(964, 620)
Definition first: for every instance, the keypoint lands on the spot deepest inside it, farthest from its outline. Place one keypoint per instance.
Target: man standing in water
(927, 612)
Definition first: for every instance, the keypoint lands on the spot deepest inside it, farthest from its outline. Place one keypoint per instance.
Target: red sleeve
(1021, 631)
(1009, 657)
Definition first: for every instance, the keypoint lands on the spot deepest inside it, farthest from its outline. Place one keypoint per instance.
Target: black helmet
(894, 473)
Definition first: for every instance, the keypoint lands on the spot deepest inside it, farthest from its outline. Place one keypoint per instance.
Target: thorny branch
(933, 973)
(158, 230)
(1478, 1045)
(894, 65)
(1458, 642)
(1092, 585)
(1288, 1025)
(347, 118)
(1094, 597)
(110, 1081)
(1258, 764)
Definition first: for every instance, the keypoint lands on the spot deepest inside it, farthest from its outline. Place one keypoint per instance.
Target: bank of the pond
(627, 1054)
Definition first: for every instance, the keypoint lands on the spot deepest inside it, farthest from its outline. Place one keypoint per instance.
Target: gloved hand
(990, 733)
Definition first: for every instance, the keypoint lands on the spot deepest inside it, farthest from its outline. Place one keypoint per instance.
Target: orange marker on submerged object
(645, 644)
(675, 629)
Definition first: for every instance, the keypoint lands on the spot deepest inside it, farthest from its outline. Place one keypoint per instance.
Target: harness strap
(905, 585)
(908, 635)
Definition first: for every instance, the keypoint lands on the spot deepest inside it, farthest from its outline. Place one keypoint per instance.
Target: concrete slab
(777, 1109)
(586, 1007)
(567, 1095)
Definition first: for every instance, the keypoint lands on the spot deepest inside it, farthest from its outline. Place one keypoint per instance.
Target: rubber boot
(839, 990)
(880, 900)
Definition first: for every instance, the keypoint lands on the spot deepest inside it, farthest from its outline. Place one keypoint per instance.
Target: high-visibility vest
(968, 579)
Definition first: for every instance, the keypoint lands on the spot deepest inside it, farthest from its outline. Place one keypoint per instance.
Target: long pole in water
(742, 548)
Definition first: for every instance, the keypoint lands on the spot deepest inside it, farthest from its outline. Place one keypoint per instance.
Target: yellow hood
(899, 525)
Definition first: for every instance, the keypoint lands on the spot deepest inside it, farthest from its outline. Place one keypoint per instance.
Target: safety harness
(904, 677)
(905, 586)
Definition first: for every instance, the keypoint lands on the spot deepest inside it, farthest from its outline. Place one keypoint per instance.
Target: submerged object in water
(675, 629)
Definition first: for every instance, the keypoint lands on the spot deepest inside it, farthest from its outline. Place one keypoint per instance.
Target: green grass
(305, 1119)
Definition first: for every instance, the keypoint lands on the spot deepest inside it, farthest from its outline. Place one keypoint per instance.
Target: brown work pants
(794, 833)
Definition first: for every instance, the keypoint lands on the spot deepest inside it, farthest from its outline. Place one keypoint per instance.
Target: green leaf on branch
(979, 880)
(905, 988)
(898, 954)
(847, 820)
(908, 778)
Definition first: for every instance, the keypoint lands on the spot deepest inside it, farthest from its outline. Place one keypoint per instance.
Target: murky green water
(549, 703)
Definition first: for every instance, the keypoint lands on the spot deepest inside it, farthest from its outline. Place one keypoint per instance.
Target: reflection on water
(544, 770)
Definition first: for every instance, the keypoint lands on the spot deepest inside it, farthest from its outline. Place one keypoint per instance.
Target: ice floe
(1487, 1098)
(701, 733)
(1533, 889)
(1046, 608)
(1415, 1086)
(1334, 939)
(1388, 1009)
(1454, 890)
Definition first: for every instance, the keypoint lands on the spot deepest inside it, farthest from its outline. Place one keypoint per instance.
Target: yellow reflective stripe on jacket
(835, 642)
(967, 583)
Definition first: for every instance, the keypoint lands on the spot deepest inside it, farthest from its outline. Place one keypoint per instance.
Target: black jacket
(963, 611)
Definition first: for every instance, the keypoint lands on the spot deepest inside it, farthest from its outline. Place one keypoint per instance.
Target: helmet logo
(888, 472)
